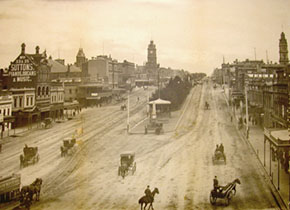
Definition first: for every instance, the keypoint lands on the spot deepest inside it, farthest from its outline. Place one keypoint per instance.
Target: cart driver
(148, 192)
(215, 184)
(221, 148)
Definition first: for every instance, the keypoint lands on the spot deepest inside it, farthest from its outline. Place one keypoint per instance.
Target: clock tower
(283, 50)
(151, 56)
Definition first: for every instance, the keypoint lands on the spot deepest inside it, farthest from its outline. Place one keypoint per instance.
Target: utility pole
(128, 113)
(247, 117)
(113, 69)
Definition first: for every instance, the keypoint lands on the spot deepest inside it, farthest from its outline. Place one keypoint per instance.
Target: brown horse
(146, 199)
(32, 189)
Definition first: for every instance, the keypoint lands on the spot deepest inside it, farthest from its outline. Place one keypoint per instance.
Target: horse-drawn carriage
(226, 192)
(219, 155)
(68, 147)
(47, 123)
(123, 107)
(155, 126)
(127, 164)
(30, 156)
(28, 193)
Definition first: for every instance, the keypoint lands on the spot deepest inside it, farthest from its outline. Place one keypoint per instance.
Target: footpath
(255, 140)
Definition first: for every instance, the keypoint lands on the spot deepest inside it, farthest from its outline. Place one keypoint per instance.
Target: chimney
(37, 50)
(23, 48)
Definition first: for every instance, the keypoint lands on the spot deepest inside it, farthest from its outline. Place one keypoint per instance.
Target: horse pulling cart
(127, 164)
(68, 147)
(30, 156)
(226, 192)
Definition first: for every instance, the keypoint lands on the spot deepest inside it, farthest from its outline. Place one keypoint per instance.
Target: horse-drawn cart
(30, 156)
(226, 192)
(47, 123)
(68, 147)
(9, 187)
(219, 155)
(123, 107)
(127, 164)
(155, 126)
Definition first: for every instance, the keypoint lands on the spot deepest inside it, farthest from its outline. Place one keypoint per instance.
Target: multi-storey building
(102, 69)
(28, 80)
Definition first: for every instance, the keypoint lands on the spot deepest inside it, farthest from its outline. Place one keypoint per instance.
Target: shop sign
(22, 70)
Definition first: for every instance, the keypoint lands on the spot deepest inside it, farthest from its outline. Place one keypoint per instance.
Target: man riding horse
(148, 192)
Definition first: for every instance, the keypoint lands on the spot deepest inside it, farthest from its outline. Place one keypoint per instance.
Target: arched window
(38, 91)
(47, 90)
(43, 91)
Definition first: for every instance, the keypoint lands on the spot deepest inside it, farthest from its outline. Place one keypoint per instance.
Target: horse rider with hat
(148, 191)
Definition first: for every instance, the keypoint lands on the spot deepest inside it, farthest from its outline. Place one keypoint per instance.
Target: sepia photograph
(144, 104)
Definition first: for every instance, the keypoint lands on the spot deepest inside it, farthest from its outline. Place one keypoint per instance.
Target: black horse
(146, 199)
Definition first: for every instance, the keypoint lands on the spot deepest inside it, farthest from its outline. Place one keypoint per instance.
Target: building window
(38, 91)
(15, 102)
(47, 90)
(31, 100)
(4, 112)
(27, 101)
(20, 101)
(70, 91)
(8, 111)
(43, 91)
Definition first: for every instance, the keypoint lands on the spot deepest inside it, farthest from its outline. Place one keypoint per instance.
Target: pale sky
(193, 35)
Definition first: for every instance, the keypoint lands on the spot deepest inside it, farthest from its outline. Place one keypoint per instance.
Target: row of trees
(175, 91)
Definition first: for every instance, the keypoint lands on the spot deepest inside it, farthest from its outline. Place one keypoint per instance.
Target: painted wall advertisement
(22, 71)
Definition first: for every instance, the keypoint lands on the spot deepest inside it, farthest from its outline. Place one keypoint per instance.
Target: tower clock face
(151, 51)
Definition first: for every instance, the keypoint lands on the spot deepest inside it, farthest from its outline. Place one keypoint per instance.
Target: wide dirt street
(178, 163)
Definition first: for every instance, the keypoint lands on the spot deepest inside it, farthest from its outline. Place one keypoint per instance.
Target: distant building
(101, 69)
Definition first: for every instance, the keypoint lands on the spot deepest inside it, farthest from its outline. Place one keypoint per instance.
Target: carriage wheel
(212, 198)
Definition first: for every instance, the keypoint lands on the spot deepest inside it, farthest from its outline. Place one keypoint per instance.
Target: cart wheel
(212, 199)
